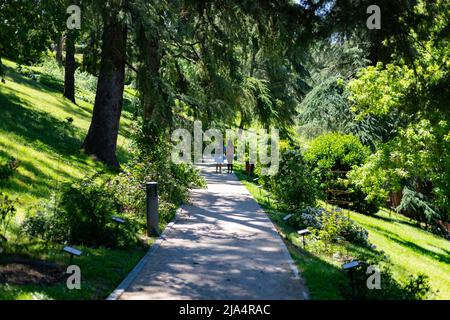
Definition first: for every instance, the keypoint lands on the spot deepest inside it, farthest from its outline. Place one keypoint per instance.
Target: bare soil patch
(16, 270)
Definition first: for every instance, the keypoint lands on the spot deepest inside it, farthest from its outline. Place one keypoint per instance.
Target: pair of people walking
(229, 156)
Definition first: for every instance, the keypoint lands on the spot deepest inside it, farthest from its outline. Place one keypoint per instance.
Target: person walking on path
(219, 158)
(230, 156)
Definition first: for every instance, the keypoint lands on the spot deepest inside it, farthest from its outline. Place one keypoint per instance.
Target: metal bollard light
(152, 209)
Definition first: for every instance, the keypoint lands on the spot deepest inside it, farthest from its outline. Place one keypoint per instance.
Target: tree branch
(129, 65)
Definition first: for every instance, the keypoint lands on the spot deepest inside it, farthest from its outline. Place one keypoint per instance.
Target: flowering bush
(330, 226)
(308, 218)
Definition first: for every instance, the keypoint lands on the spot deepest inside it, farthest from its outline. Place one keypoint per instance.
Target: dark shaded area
(410, 223)
(411, 245)
(101, 140)
(21, 271)
(70, 66)
(33, 125)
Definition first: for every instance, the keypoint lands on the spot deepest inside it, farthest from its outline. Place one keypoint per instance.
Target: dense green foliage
(27, 28)
(81, 214)
(331, 156)
(7, 211)
(415, 85)
(390, 89)
(418, 157)
(294, 184)
(335, 151)
(174, 182)
(330, 226)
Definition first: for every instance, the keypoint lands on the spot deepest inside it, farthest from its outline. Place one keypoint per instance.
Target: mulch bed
(20, 271)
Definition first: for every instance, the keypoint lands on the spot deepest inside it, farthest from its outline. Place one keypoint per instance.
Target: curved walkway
(222, 246)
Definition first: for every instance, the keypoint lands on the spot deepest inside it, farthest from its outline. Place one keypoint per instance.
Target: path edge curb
(292, 265)
(117, 293)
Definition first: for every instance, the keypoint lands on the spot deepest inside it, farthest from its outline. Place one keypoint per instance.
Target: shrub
(294, 184)
(7, 211)
(361, 203)
(415, 288)
(46, 223)
(7, 168)
(418, 287)
(81, 214)
(310, 217)
(174, 182)
(418, 207)
(337, 152)
(330, 226)
(334, 152)
(335, 226)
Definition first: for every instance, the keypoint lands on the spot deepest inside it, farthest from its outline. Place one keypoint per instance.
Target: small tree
(334, 154)
(294, 184)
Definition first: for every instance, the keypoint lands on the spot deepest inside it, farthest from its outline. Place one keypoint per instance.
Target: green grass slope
(34, 129)
(410, 248)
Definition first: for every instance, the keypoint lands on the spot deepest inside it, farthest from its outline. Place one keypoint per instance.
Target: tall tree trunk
(101, 140)
(59, 49)
(2, 72)
(148, 76)
(69, 71)
(154, 100)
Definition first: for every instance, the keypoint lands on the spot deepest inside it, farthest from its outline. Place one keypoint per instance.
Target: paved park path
(222, 246)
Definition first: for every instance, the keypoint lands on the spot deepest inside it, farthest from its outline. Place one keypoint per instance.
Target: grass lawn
(410, 249)
(101, 271)
(34, 129)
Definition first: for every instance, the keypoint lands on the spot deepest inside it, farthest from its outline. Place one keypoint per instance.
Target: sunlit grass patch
(45, 131)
